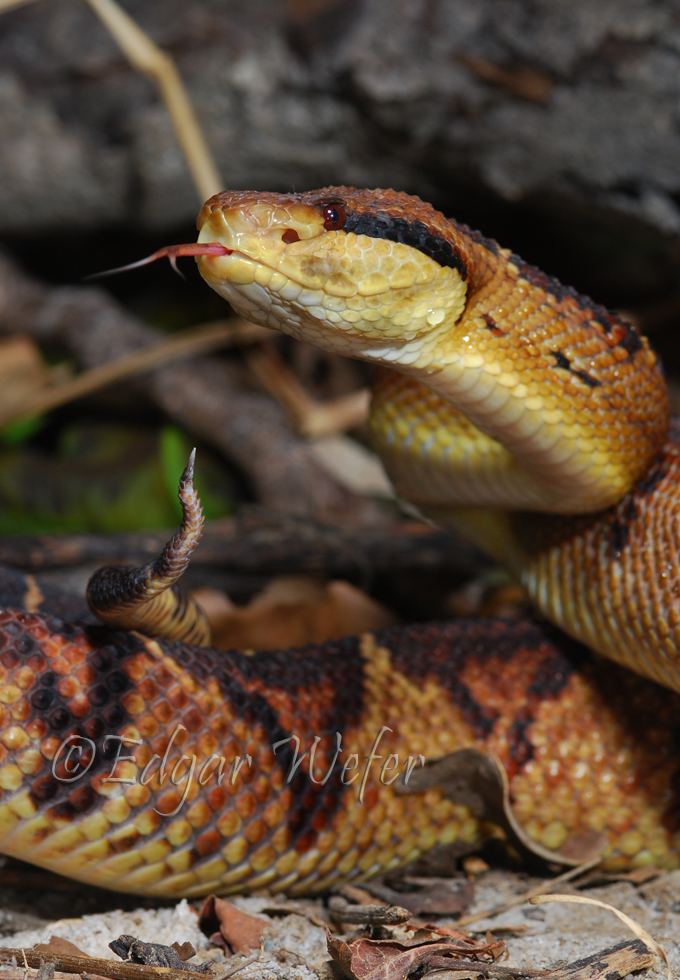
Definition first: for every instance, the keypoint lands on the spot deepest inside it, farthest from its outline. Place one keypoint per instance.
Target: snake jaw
(367, 297)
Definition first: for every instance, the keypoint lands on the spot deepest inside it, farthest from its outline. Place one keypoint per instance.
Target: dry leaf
(293, 611)
(184, 950)
(352, 465)
(478, 780)
(388, 959)
(474, 866)
(229, 926)
(62, 947)
(23, 373)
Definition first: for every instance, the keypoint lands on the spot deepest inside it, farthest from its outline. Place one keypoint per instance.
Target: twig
(266, 544)
(614, 963)
(188, 343)
(114, 969)
(239, 967)
(145, 55)
(527, 896)
(312, 418)
(367, 915)
(10, 4)
(650, 942)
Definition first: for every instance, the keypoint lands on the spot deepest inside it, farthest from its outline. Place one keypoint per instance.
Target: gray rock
(569, 105)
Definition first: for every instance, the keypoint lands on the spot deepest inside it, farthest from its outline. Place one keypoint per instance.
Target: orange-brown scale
(591, 570)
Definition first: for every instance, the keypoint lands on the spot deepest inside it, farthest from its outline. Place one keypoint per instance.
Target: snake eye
(334, 216)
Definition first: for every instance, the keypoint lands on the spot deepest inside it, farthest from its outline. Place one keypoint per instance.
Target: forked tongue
(171, 252)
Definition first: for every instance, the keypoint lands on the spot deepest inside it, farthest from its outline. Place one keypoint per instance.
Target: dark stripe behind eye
(413, 233)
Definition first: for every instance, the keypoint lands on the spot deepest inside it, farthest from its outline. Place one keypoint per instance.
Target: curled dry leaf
(23, 374)
(478, 780)
(184, 950)
(389, 959)
(63, 947)
(293, 611)
(230, 927)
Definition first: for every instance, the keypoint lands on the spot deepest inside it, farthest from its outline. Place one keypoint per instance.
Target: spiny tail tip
(188, 474)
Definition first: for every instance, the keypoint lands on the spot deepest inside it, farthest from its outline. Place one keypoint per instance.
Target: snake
(506, 406)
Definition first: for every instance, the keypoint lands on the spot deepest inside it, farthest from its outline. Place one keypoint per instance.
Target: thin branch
(10, 4)
(312, 418)
(144, 55)
(114, 969)
(196, 340)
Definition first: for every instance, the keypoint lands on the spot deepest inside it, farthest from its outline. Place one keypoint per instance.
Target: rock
(559, 112)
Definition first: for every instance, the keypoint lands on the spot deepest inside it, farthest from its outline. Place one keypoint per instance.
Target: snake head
(369, 273)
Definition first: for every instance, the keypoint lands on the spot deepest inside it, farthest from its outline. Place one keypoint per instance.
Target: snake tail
(146, 598)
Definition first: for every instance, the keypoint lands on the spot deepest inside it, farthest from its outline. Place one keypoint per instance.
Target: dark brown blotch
(492, 326)
(549, 284)
(623, 333)
(380, 224)
(561, 360)
(564, 362)
(620, 527)
(78, 801)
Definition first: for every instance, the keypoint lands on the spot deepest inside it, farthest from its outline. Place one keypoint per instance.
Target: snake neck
(561, 405)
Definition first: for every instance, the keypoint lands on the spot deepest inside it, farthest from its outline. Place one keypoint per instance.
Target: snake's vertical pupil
(334, 216)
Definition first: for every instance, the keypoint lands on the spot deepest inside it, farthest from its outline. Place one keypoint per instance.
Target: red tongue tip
(171, 252)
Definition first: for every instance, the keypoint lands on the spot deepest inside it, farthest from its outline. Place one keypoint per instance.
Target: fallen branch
(114, 969)
(266, 544)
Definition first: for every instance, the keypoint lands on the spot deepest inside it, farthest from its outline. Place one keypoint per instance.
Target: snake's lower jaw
(236, 270)
(314, 297)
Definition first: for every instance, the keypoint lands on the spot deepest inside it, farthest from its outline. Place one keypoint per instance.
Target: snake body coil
(504, 404)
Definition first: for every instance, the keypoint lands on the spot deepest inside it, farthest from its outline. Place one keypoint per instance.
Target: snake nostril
(289, 236)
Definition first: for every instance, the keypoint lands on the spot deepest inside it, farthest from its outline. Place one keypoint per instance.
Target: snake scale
(504, 404)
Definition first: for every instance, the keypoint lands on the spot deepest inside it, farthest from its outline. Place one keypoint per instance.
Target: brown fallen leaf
(474, 866)
(293, 611)
(478, 780)
(230, 927)
(23, 373)
(62, 947)
(184, 950)
(389, 959)
(57, 946)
